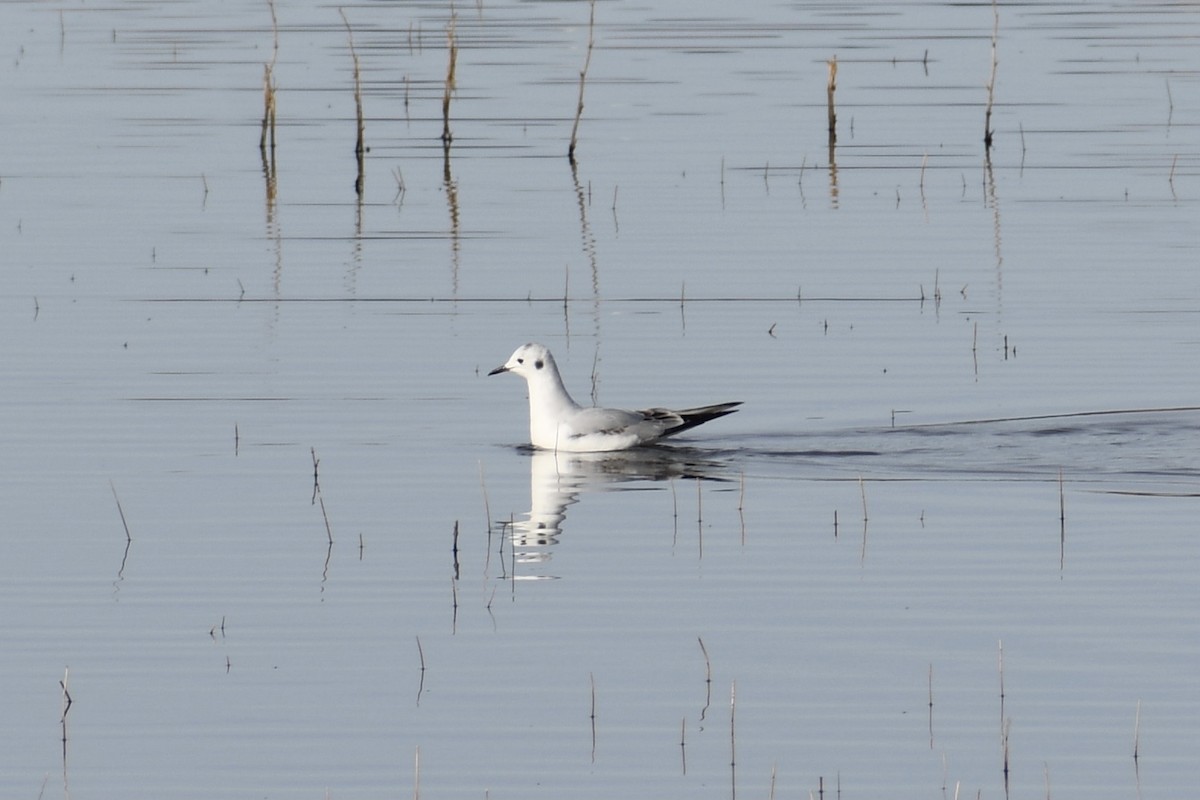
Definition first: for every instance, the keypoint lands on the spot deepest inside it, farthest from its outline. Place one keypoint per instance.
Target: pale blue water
(913, 334)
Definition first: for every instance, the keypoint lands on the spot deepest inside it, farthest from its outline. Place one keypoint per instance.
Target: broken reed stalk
(67, 693)
(124, 523)
(316, 479)
(487, 510)
(830, 89)
(454, 549)
(1062, 520)
(683, 744)
(325, 516)
(732, 741)
(359, 149)
(268, 122)
(587, 61)
(66, 708)
(862, 488)
(1137, 731)
(1000, 668)
(417, 774)
(991, 86)
(931, 706)
(452, 45)
(592, 680)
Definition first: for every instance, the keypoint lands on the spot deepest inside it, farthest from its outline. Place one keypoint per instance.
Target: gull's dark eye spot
(520, 361)
(539, 364)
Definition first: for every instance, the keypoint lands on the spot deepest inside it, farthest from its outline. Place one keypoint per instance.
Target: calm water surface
(947, 548)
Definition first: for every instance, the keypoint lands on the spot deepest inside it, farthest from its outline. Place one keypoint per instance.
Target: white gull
(556, 422)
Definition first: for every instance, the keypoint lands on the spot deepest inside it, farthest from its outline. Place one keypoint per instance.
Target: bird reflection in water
(557, 479)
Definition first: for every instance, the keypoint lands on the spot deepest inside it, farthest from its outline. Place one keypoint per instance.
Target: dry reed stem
(268, 123)
(1062, 520)
(683, 744)
(67, 701)
(732, 741)
(124, 523)
(587, 61)
(452, 45)
(359, 148)
(1137, 731)
(931, 706)
(991, 86)
(830, 89)
(592, 680)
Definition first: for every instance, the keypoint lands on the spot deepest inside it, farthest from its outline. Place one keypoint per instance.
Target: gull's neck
(549, 403)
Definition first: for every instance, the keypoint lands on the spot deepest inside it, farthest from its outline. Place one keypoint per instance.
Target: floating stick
(582, 78)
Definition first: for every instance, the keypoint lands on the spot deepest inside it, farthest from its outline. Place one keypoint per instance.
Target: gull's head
(528, 361)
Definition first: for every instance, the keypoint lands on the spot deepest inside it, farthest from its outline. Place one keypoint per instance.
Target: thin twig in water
(316, 478)
(1062, 521)
(359, 148)
(124, 524)
(1137, 731)
(587, 61)
(487, 511)
(732, 741)
(592, 679)
(683, 744)
(991, 86)
(830, 90)
(452, 46)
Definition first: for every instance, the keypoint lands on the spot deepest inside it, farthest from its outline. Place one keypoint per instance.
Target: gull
(556, 422)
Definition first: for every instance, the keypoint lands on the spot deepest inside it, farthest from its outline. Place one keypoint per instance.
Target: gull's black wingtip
(698, 416)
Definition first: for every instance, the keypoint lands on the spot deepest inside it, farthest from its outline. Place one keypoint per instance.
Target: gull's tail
(698, 416)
